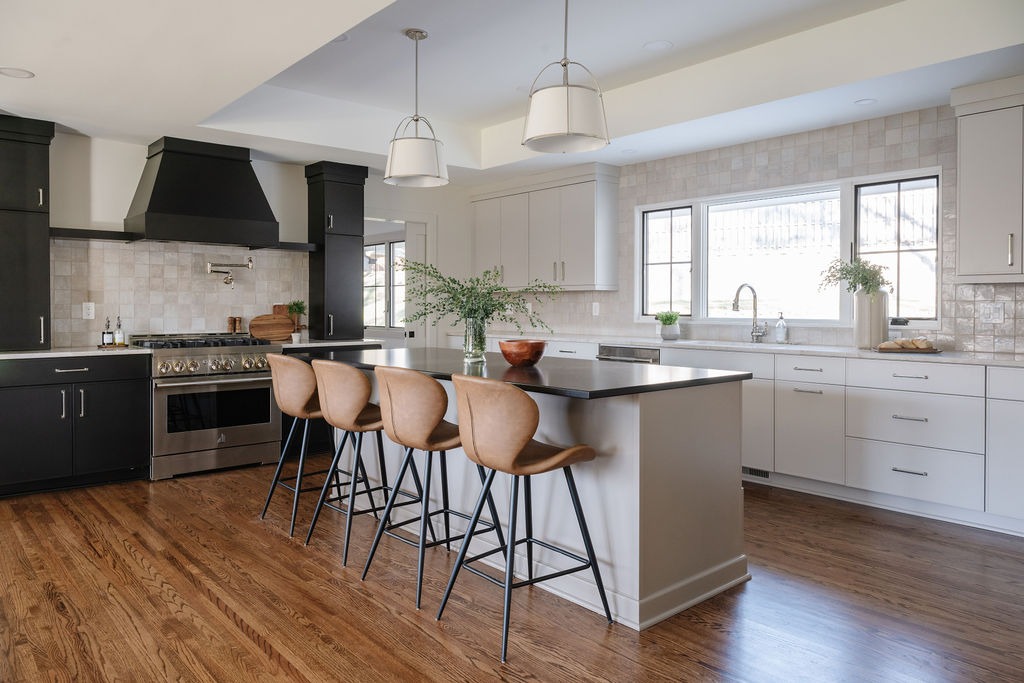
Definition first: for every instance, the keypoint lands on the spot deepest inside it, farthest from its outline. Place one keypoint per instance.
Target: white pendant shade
(565, 118)
(416, 162)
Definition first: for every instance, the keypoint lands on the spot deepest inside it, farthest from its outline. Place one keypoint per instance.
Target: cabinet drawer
(1006, 383)
(940, 378)
(937, 420)
(571, 349)
(762, 365)
(931, 474)
(27, 372)
(819, 369)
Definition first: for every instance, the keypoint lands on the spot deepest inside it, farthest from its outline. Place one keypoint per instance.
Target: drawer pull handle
(809, 391)
(71, 370)
(907, 417)
(800, 369)
(565, 351)
(897, 376)
(81, 408)
(914, 472)
(63, 404)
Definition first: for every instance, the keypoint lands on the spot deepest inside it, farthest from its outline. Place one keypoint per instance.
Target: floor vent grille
(754, 472)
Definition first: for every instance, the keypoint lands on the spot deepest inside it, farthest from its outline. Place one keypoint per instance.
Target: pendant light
(415, 161)
(567, 117)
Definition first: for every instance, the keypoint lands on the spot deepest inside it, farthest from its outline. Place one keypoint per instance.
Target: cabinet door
(990, 174)
(1004, 459)
(515, 240)
(111, 426)
(545, 235)
(35, 426)
(343, 312)
(24, 176)
(809, 431)
(25, 281)
(577, 254)
(486, 235)
(758, 424)
(334, 209)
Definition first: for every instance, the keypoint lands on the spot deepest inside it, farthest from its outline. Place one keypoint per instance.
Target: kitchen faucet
(757, 332)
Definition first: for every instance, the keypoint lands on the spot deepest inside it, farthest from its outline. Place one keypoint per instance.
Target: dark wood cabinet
(73, 421)
(24, 176)
(24, 281)
(335, 194)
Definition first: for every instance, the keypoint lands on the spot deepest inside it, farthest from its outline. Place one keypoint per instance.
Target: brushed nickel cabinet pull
(42, 329)
(63, 404)
(898, 376)
(1009, 248)
(62, 370)
(81, 396)
(914, 472)
(330, 222)
(800, 369)
(554, 270)
(809, 391)
(563, 271)
(330, 323)
(41, 200)
(566, 351)
(909, 418)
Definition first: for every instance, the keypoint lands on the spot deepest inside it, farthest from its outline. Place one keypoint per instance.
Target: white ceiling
(324, 79)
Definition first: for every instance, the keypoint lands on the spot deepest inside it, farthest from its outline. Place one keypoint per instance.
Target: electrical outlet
(595, 308)
(88, 310)
(992, 312)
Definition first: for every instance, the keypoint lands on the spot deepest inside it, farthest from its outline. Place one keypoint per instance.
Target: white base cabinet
(809, 438)
(1004, 459)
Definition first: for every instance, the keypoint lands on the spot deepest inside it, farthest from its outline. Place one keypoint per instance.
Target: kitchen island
(663, 498)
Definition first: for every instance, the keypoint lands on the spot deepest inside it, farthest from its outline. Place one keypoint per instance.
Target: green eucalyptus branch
(440, 296)
(857, 274)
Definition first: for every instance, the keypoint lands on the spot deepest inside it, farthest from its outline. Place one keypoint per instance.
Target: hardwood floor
(181, 580)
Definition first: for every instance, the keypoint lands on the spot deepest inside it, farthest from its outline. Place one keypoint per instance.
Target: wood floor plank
(181, 580)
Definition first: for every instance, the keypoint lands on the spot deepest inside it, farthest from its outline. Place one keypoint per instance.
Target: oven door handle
(210, 382)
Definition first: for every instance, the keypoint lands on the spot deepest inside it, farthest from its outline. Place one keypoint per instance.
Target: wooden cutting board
(271, 327)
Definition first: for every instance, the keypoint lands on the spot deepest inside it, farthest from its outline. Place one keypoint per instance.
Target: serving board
(271, 327)
(903, 350)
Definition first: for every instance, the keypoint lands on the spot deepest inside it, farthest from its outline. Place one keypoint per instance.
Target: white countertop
(71, 352)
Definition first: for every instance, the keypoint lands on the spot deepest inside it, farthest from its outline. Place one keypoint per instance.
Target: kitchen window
(667, 261)
(383, 284)
(898, 227)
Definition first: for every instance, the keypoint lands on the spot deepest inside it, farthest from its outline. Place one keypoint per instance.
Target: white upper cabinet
(990, 182)
(501, 237)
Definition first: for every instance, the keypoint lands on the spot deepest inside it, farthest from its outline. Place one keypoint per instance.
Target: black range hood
(201, 192)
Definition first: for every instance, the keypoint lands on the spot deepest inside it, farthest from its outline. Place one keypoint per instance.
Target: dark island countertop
(557, 376)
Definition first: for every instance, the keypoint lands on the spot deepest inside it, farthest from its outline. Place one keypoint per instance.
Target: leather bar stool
(412, 407)
(344, 394)
(497, 423)
(295, 392)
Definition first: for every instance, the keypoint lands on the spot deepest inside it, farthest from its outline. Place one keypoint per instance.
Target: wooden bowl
(522, 353)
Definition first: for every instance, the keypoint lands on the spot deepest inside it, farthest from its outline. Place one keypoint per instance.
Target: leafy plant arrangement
(667, 317)
(481, 297)
(857, 274)
(297, 307)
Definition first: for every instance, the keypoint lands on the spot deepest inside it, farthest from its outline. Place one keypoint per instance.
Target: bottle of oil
(108, 335)
(118, 333)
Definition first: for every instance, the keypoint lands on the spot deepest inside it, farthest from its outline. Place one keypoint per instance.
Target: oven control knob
(261, 362)
(215, 364)
(228, 364)
(193, 366)
(248, 363)
(163, 367)
(179, 366)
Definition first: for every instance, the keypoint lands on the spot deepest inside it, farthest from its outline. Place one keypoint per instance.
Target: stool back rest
(496, 421)
(343, 392)
(412, 405)
(294, 385)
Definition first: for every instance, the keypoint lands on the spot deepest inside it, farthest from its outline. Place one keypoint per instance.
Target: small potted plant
(669, 324)
(870, 300)
(297, 309)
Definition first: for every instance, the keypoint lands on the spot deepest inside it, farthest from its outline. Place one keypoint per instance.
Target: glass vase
(475, 343)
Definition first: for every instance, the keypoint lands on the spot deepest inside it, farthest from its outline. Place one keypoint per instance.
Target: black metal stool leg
(510, 561)
(385, 516)
(528, 510)
(327, 486)
(586, 540)
(424, 519)
(356, 456)
(444, 501)
(280, 466)
(485, 497)
(419, 491)
(380, 463)
(298, 478)
(492, 508)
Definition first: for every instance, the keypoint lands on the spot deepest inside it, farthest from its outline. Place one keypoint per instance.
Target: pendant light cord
(565, 46)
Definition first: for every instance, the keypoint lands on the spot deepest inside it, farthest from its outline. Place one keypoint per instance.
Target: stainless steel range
(213, 402)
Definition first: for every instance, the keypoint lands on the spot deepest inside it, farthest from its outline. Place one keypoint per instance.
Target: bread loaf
(889, 345)
(921, 343)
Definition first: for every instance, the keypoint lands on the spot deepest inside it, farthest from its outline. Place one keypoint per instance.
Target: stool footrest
(584, 564)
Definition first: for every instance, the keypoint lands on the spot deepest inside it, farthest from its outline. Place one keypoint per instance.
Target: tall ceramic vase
(870, 318)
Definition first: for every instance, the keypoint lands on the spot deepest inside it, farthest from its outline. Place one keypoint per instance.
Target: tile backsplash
(902, 142)
(163, 287)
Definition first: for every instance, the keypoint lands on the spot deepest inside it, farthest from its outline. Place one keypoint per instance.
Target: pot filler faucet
(757, 332)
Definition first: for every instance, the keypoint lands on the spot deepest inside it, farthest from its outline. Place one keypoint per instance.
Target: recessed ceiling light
(658, 45)
(865, 101)
(15, 72)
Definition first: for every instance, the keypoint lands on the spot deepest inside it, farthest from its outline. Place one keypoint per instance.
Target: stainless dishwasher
(629, 354)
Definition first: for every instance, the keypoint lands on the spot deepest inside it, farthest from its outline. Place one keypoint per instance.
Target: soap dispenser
(781, 331)
(108, 335)
(118, 333)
